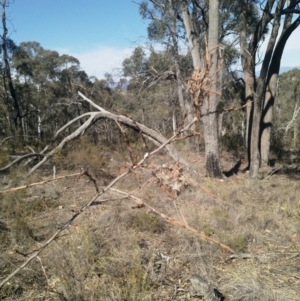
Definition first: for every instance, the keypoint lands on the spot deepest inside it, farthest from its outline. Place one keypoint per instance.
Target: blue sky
(100, 33)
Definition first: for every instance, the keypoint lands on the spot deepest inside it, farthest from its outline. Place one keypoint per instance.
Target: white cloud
(100, 60)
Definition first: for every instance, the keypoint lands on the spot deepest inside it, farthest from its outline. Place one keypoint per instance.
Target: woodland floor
(115, 251)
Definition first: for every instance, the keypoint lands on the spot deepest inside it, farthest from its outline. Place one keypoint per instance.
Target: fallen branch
(152, 135)
(39, 183)
(19, 159)
(10, 137)
(173, 221)
(72, 136)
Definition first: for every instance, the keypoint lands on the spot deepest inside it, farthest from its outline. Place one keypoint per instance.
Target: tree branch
(20, 159)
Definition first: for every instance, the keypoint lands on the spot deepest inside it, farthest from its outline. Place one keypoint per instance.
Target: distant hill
(286, 69)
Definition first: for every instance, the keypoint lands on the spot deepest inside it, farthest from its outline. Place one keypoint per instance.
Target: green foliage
(229, 16)
(46, 85)
(136, 63)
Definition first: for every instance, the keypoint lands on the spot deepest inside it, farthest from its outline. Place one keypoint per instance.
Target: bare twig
(19, 159)
(43, 269)
(48, 242)
(274, 171)
(39, 183)
(237, 108)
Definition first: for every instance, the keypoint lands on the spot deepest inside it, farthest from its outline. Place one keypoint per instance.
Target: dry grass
(115, 252)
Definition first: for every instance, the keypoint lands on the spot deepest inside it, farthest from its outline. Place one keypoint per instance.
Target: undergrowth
(117, 250)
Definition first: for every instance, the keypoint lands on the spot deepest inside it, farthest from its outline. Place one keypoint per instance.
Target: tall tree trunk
(174, 123)
(210, 105)
(260, 94)
(249, 88)
(248, 50)
(184, 99)
(194, 44)
(255, 132)
(7, 73)
(248, 55)
(248, 63)
(296, 133)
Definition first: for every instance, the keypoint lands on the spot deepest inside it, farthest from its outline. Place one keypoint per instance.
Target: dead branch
(92, 179)
(39, 183)
(173, 221)
(48, 242)
(72, 136)
(154, 136)
(237, 108)
(13, 137)
(19, 159)
(92, 103)
(295, 114)
(62, 129)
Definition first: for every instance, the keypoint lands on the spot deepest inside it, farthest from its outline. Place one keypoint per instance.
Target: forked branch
(152, 135)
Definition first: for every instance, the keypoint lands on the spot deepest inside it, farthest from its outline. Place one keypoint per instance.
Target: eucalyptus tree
(175, 22)
(166, 28)
(48, 83)
(153, 83)
(250, 22)
(261, 91)
(206, 64)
